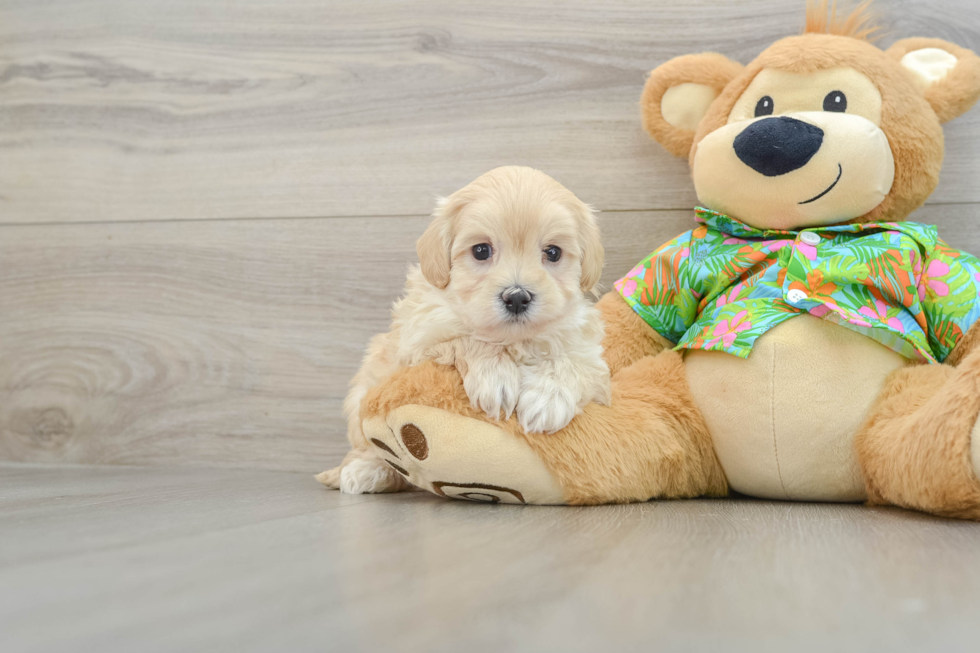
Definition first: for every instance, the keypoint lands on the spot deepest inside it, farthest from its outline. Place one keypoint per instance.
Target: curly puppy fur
(543, 362)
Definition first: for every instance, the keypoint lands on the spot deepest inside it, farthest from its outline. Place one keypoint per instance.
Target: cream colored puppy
(499, 293)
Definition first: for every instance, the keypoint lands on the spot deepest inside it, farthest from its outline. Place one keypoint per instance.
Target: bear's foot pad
(460, 457)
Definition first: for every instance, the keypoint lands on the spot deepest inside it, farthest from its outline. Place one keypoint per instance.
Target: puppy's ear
(434, 248)
(677, 96)
(590, 241)
(948, 75)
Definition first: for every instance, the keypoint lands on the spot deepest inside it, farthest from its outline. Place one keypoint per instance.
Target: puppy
(499, 294)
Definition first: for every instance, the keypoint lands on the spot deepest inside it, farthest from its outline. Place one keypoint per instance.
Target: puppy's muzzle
(516, 300)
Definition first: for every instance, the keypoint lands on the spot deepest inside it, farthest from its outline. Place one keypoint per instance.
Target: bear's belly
(783, 420)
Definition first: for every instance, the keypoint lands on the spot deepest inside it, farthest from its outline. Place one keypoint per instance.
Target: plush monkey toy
(803, 342)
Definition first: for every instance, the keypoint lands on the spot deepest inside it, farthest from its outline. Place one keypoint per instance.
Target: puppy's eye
(482, 251)
(764, 106)
(552, 253)
(835, 101)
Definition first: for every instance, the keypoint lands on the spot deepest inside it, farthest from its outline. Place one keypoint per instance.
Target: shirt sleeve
(660, 291)
(949, 291)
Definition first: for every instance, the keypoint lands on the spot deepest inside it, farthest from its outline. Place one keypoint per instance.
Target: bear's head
(822, 128)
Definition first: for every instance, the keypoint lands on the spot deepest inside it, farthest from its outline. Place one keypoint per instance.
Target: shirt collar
(921, 233)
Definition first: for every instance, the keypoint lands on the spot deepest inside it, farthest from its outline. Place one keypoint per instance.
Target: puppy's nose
(516, 299)
(775, 146)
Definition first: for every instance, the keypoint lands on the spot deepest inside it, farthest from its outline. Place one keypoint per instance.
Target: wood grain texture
(218, 342)
(129, 559)
(113, 110)
(223, 343)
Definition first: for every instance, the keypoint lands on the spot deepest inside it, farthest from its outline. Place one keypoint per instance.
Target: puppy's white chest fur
(527, 353)
(546, 378)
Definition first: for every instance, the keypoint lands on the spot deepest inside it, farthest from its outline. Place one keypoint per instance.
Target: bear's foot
(460, 457)
(920, 448)
(649, 442)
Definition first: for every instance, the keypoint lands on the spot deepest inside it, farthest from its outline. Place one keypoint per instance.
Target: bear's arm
(628, 337)
(651, 288)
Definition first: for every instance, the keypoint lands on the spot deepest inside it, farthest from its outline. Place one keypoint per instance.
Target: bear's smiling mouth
(840, 171)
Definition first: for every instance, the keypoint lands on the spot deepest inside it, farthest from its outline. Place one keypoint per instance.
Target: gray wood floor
(165, 559)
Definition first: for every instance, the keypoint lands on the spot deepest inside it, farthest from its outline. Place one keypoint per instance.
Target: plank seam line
(68, 223)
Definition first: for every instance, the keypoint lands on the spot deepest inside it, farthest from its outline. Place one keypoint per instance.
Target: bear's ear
(677, 96)
(948, 75)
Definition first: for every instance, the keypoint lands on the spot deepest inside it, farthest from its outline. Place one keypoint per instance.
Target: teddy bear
(804, 341)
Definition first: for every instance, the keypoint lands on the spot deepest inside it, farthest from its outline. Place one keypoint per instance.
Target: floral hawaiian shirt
(724, 284)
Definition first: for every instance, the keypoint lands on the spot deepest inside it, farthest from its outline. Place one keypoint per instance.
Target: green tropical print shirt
(724, 284)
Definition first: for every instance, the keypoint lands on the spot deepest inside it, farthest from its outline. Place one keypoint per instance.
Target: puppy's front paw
(493, 386)
(545, 406)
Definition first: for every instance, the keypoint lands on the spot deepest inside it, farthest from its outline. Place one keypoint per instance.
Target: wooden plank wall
(207, 207)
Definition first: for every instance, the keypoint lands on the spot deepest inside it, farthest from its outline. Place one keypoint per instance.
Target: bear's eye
(482, 251)
(835, 101)
(553, 253)
(764, 106)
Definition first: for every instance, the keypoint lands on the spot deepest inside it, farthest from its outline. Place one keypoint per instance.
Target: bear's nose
(775, 146)
(516, 299)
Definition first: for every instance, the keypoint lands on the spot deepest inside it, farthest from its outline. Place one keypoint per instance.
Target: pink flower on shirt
(726, 331)
(731, 295)
(830, 306)
(930, 278)
(849, 317)
(879, 313)
(626, 287)
(777, 245)
(808, 251)
(853, 318)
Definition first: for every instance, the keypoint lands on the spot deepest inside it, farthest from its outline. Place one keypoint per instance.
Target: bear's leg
(920, 448)
(650, 442)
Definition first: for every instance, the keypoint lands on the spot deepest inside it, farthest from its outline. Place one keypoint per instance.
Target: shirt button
(795, 296)
(810, 238)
